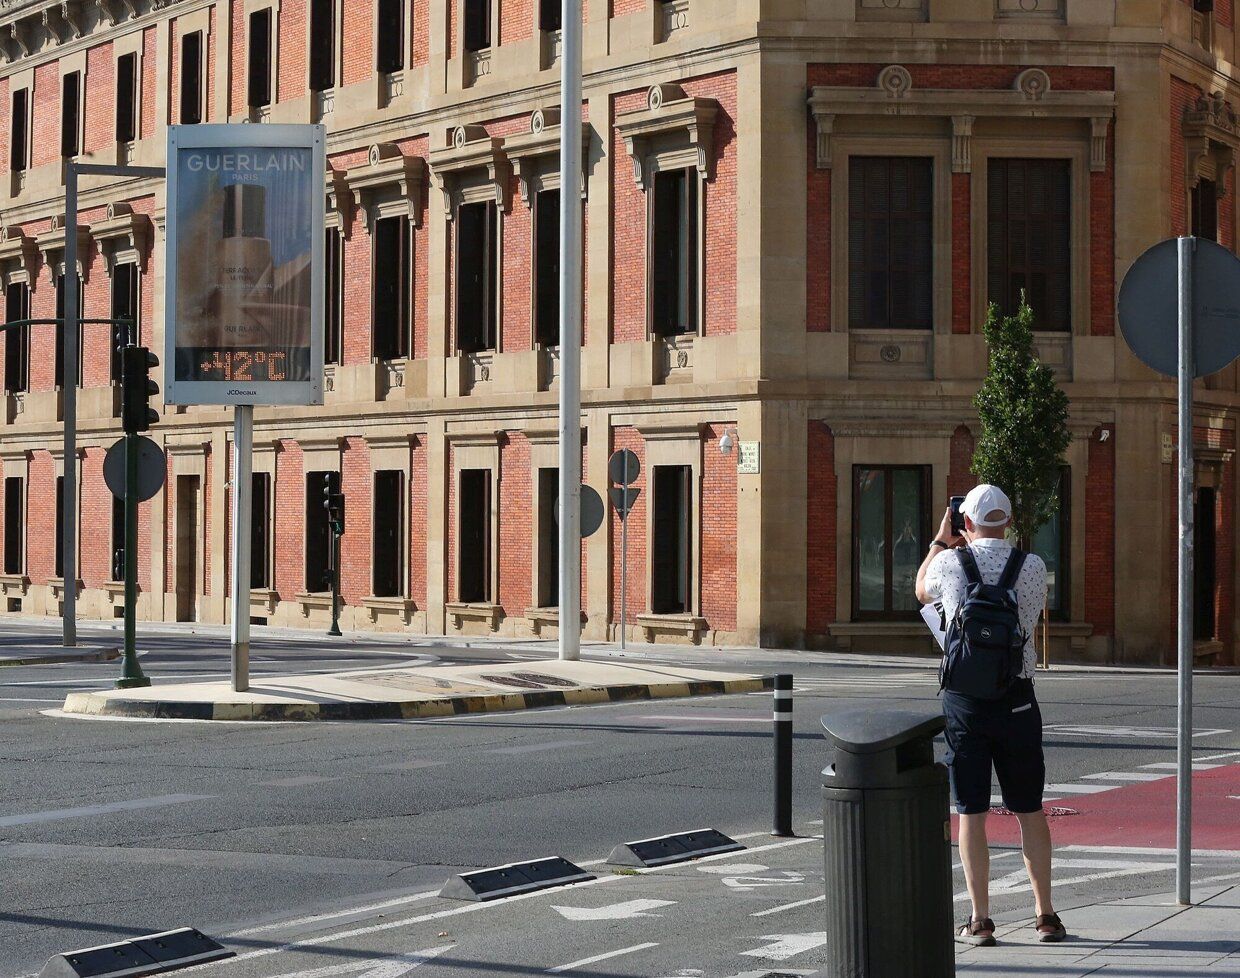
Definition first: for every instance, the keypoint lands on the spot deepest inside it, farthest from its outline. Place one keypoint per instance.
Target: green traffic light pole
(131, 670)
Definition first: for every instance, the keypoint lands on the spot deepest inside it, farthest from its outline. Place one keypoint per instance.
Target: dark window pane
(672, 540)
(1205, 210)
(890, 537)
(674, 253)
(259, 80)
(14, 528)
(70, 118)
(1051, 543)
(477, 25)
(59, 545)
(19, 135)
(16, 341)
(389, 56)
(476, 277)
(890, 210)
(1205, 592)
(389, 514)
(323, 45)
(126, 98)
(318, 531)
(391, 288)
(333, 308)
(547, 256)
(548, 539)
(549, 15)
(124, 306)
(1029, 231)
(118, 539)
(260, 529)
(474, 529)
(191, 78)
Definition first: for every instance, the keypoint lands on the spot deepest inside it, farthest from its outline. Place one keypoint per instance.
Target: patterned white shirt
(946, 583)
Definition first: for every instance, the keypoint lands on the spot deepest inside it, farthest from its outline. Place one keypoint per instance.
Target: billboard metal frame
(225, 392)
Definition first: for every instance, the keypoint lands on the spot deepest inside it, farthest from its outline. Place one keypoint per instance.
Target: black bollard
(783, 755)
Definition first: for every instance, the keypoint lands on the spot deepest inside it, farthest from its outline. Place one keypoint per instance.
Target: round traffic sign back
(152, 468)
(623, 467)
(1149, 307)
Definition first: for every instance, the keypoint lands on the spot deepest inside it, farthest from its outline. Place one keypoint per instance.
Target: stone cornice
(121, 230)
(388, 170)
(669, 115)
(52, 242)
(470, 148)
(543, 140)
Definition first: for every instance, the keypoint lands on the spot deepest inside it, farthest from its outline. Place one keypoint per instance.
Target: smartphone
(957, 517)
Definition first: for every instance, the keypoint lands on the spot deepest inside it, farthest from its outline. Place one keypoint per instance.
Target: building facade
(796, 215)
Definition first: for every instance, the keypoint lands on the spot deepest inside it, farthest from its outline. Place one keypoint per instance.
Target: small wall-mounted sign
(749, 458)
(1168, 448)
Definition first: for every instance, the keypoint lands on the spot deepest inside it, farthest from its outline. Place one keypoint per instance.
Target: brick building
(795, 216)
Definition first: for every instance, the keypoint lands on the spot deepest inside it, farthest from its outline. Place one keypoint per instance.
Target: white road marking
(1080, 789)
(56, 815)
(787, 945)
(1219, 757)
(352, 912)
(789, 906)
(1018, 881)
(732, 869)
(1117, 730)
(786, 877)
(1143, 851)
(1172, 766)
(1126, 776)
(600, 957)
(386, 968)
(25, 699)
(614, 911)
(691, 718)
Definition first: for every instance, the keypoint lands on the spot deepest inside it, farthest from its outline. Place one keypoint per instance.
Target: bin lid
(873, 728)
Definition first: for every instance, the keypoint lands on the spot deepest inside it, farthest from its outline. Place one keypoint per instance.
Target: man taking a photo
(1002, 731)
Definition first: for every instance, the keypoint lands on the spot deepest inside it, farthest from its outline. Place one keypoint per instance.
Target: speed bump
(513, 878)
(675, 848)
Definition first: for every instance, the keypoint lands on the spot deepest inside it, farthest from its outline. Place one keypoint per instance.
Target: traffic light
(136, 388)
(333, 502)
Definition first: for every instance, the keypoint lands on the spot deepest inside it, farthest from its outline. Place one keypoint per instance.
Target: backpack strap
(969, 565)
(1011, 571)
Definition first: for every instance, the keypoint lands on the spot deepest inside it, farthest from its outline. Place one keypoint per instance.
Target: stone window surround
(1211, 135)
(189, 457)
(199, 21)
(674, 132)
(674, 443)
(253, 7)
(262, 600)
(317, 455)
(937, 150)
(15, 463)
(406, 27)
(122, 237)
(18, 256)
(473, 168)
(459, 17)
(52, 245)
(133, 43)
(337, 42)
(17, 81)
(69, 64)
(388, 452)
(476, 450)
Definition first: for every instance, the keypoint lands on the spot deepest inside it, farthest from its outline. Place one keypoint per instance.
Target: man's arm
(946, 536)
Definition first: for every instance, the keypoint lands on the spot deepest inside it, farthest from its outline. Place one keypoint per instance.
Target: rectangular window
(1204, 205)
(547, 264)
(1029, 234)
(322, 45)
(477, 25)
(474, 530)
(548, 539)
(19, 134)
(318, 531)
(260, 529)
(58, 545)
(889, 539)
(390, 47)
(387, 562)
(391, 278)
(476, 274)
(124, 306)
(59, 365)
(549, 15)
(16, 341)
(672, 541)
(259, 78)
(14, 524)
(71, 114)
(674, 253)
(1052, 543)
(191, 77)
(127, 98)
(118, 539)
(333, 304)
(890, 234)
(1205, 591)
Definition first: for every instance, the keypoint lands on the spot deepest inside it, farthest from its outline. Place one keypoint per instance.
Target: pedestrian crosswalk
(869, 680)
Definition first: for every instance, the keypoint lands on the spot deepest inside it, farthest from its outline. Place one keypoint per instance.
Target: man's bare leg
(1035, 841)
(975, 855)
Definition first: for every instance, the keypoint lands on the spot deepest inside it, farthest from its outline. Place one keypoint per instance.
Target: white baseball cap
(982, 501)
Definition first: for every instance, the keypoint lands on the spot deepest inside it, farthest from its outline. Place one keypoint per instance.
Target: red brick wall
(95, 567)
(628, 286)
(41, 517)
(293, 71)
(149, 63)
(516, 20)
(1227, 212)
(960, 478)
(1102, 245)
(1225, 559)
(1100, 534)
(421, 32)
(417, 522)
(1183, 97)
(100, 101)
(718, 521)
(290, 533)
(962, 76)
(637, 603)
(209, 507)
(357, 483)
(515, 543)
(621, 7)
(517, 273)
(42, 338)
(820, 529)
(962, 253)
(451, 591)
(45, 145)
(1223, 12)
(6, 123)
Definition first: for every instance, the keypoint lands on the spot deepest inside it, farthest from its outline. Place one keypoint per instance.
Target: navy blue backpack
(985, 646)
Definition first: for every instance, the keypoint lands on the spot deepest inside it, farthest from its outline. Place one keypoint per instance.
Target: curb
(94, 655)
(93, 704)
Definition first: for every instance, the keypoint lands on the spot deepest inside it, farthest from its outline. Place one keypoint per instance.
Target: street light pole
(570, 330)
(1184, 624)
(68, 530)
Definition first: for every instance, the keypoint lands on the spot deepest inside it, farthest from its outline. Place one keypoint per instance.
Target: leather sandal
(1050, 928)
(979, 933)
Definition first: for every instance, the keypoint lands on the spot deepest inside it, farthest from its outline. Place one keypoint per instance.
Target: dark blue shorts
(1005, 734)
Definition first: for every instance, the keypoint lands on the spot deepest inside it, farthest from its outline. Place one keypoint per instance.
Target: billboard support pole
(1184, 624)
(243, 484)
(570, 331)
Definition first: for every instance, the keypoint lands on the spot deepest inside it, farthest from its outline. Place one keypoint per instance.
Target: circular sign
(1149, 307)
(623, 467)
(152, 468)
(591, 511)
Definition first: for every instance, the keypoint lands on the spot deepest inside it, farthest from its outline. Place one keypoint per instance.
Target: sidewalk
(1143, 936)
(412, 692)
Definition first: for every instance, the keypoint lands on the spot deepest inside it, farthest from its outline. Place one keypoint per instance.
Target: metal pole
(1184, 747)
(243, 486)
(570, 330)
(624, 559)
(69, 395)
(131, 669)
(783, 755)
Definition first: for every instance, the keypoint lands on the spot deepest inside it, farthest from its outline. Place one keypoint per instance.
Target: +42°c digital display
(241, 365)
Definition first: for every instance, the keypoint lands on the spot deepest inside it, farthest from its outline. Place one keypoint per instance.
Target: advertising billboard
(244, 299)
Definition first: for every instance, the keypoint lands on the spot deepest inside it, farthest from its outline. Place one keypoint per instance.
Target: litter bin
(887, 843)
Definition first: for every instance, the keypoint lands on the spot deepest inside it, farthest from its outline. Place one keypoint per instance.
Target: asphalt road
(112, 828)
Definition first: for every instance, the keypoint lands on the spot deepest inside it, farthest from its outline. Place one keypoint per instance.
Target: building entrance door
(187, 536)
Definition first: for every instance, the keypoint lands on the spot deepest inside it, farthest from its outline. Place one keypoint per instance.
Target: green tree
(1024, 418)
